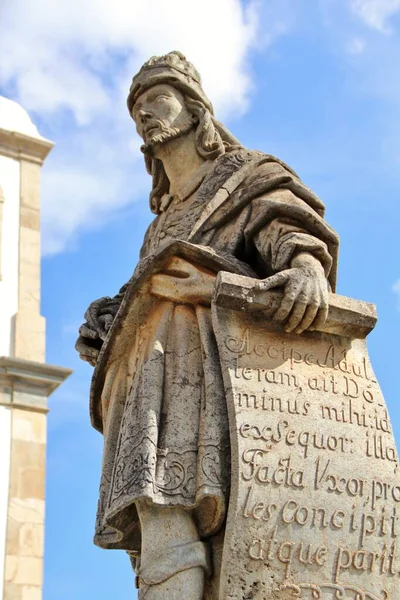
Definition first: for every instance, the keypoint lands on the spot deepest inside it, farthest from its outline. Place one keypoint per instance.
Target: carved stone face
(160, 114)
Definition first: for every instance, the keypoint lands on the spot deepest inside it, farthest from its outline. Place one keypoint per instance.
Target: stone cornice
(25, 375)
(23, 147)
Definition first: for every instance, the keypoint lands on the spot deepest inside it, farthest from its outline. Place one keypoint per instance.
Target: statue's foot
(184, 585)
(174, 561)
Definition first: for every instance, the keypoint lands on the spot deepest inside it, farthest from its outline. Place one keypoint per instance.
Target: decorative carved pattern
(337, 591)
(212, 466)
(175, 473)
(225, 166)
(172, 472)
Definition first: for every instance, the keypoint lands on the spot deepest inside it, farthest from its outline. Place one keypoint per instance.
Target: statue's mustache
(154, 124)
(162, 133)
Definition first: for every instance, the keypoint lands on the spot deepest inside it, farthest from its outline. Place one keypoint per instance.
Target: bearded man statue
(160, 402)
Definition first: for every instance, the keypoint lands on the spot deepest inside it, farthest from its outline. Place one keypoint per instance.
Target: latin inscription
(381, 523)
(311, 422)
(272, 548)
(288, 434)
(337, 385)
(332, 357)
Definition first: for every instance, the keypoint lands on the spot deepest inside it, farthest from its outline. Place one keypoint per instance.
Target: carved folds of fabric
(167, 440)
(166, 427)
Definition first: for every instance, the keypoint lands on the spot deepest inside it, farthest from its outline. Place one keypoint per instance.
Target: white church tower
(26, 380)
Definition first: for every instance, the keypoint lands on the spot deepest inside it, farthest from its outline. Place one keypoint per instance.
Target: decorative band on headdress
(172, 69)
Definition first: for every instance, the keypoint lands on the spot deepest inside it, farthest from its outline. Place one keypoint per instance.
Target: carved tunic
(165, 427)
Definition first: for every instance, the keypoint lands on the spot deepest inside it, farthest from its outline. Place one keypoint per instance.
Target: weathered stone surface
(30, 510)
(31, 592)
(12, 591)
(221, 378)
(29, 426)
(315, 496)
(24, 570)
(25, 539)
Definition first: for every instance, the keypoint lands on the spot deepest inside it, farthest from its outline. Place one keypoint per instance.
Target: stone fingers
(316, 310)
(293, 289)
(300, 308)
(278, 280)
(110, 309)
(104, 323)
(304, 303)
(86, 353)
(86, 332)
(92, 361)
(320, 319)
(92, 313)
(308, 317)
(322, 314)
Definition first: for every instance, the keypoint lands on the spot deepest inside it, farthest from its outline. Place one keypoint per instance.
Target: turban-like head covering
(173, 69)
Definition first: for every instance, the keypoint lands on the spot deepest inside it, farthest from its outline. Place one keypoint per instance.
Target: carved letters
(318, 486)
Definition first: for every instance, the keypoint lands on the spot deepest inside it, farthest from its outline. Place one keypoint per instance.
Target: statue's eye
(160, 96)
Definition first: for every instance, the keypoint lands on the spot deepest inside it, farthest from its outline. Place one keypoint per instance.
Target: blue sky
(315, 83)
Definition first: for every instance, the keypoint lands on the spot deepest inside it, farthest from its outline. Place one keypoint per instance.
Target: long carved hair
(209, 145)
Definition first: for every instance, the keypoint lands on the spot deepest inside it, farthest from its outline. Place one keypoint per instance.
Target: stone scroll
(315, 493)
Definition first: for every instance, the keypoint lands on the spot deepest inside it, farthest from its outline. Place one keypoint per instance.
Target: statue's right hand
(88, 344)
(99, 317)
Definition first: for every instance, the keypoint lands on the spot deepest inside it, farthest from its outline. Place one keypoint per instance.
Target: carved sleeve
(280, 241)
(281, 238)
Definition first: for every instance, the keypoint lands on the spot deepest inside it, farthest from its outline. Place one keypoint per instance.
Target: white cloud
(77, 54)
(76, 198)
(93, 173)
(376, 13)
(356, 46)
(71, 62)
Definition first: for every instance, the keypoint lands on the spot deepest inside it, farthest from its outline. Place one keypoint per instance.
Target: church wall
(25, 379)
(9, 237)
(26, 508)
(29, 336)
(5, 452)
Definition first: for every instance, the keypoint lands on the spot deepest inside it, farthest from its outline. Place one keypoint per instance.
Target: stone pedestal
(315, 488)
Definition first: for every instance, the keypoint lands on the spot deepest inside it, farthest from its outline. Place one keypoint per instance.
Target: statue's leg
(211, 584)
(173, 560)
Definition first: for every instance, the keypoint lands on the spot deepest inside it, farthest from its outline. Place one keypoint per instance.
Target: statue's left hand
(304, 303)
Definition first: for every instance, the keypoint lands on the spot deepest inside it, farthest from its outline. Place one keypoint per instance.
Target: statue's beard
(164, 134)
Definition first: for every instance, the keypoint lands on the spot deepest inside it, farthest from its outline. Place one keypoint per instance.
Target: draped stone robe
(162, 408)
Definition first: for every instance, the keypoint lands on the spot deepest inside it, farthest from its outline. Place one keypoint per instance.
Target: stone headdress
(175, 70)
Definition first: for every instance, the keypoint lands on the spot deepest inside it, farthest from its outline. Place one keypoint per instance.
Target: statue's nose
(144, 115)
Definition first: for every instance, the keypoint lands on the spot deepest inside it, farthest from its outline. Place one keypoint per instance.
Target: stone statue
(164, 391)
